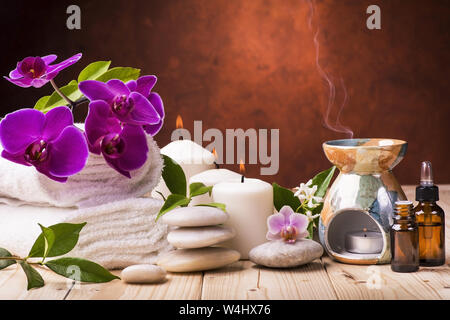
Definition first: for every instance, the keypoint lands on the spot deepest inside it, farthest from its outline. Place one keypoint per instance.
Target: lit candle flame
(179, 122)
(214, 153)
(242, 167)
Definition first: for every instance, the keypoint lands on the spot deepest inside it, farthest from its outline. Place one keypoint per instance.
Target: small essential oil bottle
(404, 239)
(430, 220)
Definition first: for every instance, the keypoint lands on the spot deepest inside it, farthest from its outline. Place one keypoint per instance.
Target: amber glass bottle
(430, 220)
(404, 239)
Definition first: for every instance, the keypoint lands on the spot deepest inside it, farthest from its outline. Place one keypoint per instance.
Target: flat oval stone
(143, 273)
(198, 237)
(198, 216)
(278, 254)
(190, 260)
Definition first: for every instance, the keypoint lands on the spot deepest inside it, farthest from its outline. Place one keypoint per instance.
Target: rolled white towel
(96, 184)
(117, 234)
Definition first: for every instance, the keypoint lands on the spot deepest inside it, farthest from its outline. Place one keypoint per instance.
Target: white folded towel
(117, 234)
(96, 184)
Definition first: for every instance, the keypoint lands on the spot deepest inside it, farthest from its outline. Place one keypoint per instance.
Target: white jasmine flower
(311, 216)
(306, 193)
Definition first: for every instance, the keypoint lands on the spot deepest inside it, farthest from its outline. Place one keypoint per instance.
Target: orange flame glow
(179, 122)
(214, 152)
(241, 167)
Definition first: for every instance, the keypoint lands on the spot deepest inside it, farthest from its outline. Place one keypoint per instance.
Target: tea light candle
(248, 203)
(192, 157)
(364, 241)
(211, 178)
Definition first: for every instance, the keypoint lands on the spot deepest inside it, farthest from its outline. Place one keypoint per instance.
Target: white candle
(192, 157)
(248, 204)
(364, 242)
(211, 178)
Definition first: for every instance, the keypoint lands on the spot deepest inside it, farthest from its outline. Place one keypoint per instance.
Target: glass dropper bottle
(430, 219)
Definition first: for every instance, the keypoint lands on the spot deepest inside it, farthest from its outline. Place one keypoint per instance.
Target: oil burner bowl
(362, 196)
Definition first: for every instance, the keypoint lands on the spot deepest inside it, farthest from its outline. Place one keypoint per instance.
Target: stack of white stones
(198, 229)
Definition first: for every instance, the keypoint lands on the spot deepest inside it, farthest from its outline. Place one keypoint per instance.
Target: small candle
(211, 178)
(248, 203)
(364, 241)
(192, 157)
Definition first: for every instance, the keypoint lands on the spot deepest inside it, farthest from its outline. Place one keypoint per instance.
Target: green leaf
(173, 176)
(283, 196)
(49, 239)
(80, 270)
(5, 263)
(55, 100)
(33, 277)
(66, 237)
(40, 104)
(198, 188)
(173, 201)
(322, 180)
(122, 73)
(94, 70)
(218, 205)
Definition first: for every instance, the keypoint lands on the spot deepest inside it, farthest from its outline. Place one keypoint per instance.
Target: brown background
(251, 64)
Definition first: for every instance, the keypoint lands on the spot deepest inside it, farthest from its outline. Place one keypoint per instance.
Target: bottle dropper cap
(427, 191)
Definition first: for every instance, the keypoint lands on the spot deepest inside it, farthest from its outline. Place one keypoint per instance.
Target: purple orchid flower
(123, 146)
(37, 71)
(131, 106)
(287, 225)
(50, 142)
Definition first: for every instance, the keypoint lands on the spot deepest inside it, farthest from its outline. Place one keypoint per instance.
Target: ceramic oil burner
(358, 208)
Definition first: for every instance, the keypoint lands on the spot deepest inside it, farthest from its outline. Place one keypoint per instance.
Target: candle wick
(242, 179)
(181, 138)
(217, 165)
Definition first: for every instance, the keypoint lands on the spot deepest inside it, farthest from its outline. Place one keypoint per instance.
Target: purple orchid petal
(286, 211)
(145, 84)
(55, 121)
(300, 221)
(20, 128)
(273, 236)
(15, 74)
(143, 112)
(39, 82)
(53, 70)
(95, 90)
(117, 87)
(153, 129)
(113, 164)
(275, 223)
(21, 82)
(157, 103)
(43, 168)
(69, 153)
(96, 124)
(50, 58)
(17, 158)
(132, 84)
(136, 148)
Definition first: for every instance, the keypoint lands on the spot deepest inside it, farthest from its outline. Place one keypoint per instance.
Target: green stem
(70, 102)
(12, 258)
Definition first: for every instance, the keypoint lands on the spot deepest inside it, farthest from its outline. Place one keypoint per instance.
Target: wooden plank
(236, 281)
(303, 283)
(179, 286)
(13, 285)
(376, 283)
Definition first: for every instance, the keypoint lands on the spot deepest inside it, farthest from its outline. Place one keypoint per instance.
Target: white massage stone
(199, 216)
(190, 260)
(143, 273)
(198, 237)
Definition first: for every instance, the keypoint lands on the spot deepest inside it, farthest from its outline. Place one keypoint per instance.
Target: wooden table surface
(321, 279)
